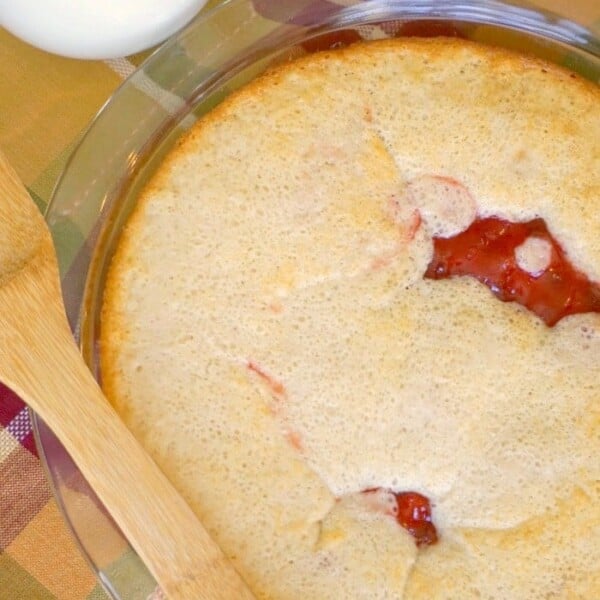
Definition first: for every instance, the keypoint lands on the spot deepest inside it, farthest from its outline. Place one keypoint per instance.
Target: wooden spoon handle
(161, 527)
(40, 361)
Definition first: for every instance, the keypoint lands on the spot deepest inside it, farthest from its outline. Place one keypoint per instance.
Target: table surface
(46, 103)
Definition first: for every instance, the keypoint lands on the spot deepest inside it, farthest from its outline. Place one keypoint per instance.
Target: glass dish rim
(587, 40)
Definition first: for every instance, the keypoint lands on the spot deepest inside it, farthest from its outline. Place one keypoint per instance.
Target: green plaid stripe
(17, 583)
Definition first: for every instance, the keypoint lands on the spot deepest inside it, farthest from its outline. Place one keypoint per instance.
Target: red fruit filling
(486, 251)
(413, 512)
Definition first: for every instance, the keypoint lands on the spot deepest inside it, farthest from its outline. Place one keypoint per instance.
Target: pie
(354, 318)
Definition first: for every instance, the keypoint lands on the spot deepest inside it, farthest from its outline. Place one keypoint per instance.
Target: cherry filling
(417, 28)
(413, 512)
(486, 251)
(329, 41)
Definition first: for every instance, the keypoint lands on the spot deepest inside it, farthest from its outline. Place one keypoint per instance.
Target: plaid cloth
(46, 103)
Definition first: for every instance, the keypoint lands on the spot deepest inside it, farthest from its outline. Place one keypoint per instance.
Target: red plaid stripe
(14, 417)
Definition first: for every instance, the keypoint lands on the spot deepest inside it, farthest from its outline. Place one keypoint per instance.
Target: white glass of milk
(96, 29)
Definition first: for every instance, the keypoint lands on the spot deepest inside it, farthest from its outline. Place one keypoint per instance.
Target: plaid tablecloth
(46, 103)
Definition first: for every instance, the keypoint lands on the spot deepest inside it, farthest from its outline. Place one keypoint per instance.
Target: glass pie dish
(220, 51)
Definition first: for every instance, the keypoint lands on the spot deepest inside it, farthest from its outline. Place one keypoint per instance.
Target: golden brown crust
(270, 283)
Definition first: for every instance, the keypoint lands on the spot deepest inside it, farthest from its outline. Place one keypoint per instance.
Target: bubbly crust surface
(268, 335)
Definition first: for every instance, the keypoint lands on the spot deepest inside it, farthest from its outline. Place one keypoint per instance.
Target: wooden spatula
(41, 363)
